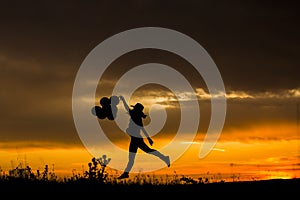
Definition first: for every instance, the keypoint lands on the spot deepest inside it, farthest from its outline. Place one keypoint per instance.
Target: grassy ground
(97, 183)
(288, 188)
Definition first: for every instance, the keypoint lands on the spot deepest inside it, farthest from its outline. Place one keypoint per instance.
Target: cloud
(163, 96)
(257, 59)
(261, 133)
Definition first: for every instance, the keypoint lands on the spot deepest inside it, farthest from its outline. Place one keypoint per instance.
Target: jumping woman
(134, 129)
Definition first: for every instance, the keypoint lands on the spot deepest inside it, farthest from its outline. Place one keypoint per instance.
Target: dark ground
(277, 188)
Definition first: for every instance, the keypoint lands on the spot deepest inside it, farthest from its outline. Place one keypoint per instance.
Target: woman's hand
(121, 98)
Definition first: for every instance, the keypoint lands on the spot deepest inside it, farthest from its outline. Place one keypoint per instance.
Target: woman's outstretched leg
(164, 158)
(154, 152)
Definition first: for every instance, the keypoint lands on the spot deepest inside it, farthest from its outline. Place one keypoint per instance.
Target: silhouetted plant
(187, 180)
(97, 169)
(21, 173)
(45, 173)
(175, 180)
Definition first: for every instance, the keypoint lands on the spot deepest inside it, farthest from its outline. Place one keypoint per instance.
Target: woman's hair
(143, 115)
(138, 110)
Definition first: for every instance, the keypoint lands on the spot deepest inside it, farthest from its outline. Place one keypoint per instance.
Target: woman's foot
(167, 160)
(124, 175)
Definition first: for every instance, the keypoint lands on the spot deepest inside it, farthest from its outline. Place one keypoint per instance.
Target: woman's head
(138, 108)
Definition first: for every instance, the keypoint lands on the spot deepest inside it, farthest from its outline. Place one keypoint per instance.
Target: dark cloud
(42, 44)
(255, 44)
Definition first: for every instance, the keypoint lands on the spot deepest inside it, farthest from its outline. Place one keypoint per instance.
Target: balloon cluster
(108, 108)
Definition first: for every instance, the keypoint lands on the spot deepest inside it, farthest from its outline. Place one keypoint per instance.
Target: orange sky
(254, 45)
(246, 158)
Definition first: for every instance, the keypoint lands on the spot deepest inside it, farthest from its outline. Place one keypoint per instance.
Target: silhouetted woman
(136, 139)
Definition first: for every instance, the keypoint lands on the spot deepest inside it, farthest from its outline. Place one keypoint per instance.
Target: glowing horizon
(248, 158)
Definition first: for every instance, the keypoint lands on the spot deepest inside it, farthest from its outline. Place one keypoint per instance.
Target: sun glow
(253, 153)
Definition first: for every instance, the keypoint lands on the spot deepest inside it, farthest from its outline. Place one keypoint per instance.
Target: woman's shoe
(124, 175)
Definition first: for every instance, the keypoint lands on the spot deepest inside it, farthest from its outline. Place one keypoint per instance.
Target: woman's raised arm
(124, 103)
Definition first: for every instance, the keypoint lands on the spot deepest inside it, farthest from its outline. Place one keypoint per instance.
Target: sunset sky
(254, 44)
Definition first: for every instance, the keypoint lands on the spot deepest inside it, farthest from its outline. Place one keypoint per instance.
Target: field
(97, 183)
(87, 188)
